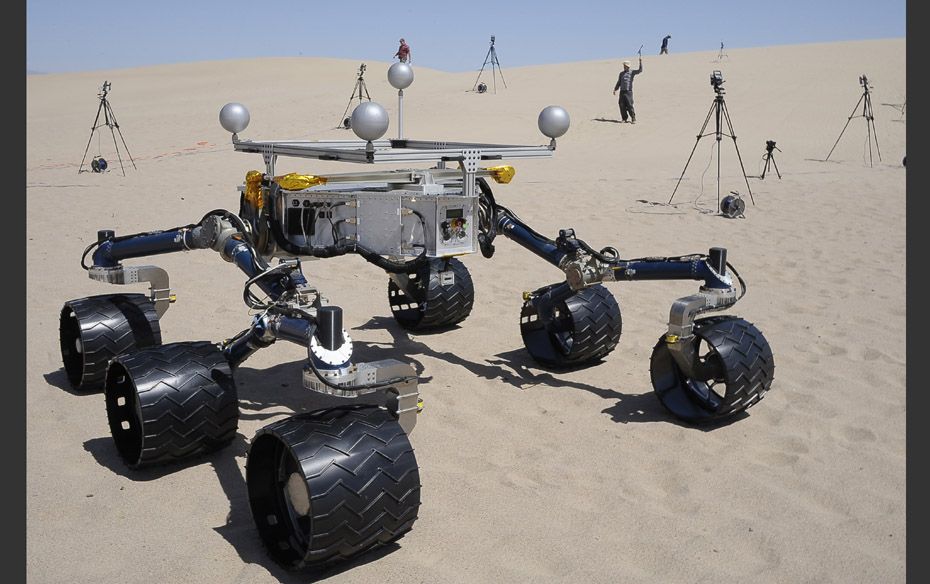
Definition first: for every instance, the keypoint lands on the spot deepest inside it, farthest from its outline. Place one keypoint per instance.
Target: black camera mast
(769, 157)
(491, 58)
(357, 92)
(866, 100)
(109, 120)
(719, 110)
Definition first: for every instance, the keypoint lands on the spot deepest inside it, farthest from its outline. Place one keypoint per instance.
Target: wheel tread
(438, 306)
(367, 494)
(748, 366)
(105, 332)
(187, 399)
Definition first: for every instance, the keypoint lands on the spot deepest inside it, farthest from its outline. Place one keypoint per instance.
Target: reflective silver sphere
(369, 121)
(400, 75)
(234, 117)
(553, 121)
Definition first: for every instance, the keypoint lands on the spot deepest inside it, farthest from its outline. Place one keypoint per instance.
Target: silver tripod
(491, 58)
(357, 92)
(718, 109)
(866, 100)
(109, 120)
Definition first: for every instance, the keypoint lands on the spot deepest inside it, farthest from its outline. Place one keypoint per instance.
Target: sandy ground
(528, 475)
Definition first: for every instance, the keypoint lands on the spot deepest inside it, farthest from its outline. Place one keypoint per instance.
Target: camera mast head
(492, 40)
(716, 81)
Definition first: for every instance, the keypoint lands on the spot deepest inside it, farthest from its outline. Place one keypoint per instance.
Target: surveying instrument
(769, 157)
(491, 58)
(358, 91)
(718, 109)
(721, 54)
(99, 164)
(866, 100)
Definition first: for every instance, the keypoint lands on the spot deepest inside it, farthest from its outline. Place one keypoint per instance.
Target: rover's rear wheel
(171, 402)
(437, 296)
(328, 485)
(739, 371)
(586, 328)
(95, 329)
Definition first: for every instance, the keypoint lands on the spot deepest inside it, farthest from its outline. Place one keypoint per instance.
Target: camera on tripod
(361, 70)
(492, 39)
(864, 81)
(769, 145)
(716, 80)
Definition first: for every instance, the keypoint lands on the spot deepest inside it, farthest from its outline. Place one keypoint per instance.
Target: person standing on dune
(625, 85)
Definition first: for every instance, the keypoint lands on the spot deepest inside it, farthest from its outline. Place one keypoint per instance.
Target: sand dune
(528, 475)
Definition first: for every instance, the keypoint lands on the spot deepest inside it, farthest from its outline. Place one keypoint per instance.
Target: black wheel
(437, 296)
(170, 402)
(739, 370)
(327, 486)
(94, 330)
(586, 328)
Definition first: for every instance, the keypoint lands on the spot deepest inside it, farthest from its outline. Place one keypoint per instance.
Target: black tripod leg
(475, 86)
(115, 145)
(871, 120)
(700, 135)
(123, 140)
(348, 105)
(496, 60)
(851, 116)
(766, 167)
(111, 122)
(92, 130)
(726, 114)
(776, 168)
(718, 172)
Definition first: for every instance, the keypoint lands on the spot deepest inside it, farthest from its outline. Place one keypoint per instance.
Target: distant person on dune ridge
(403, 52)
(664, 50)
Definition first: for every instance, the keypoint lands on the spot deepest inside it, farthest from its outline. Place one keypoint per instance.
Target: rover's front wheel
(737, 369)
(326, 486)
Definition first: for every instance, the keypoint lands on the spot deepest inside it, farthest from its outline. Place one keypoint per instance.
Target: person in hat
(625, 85)
(403, 53)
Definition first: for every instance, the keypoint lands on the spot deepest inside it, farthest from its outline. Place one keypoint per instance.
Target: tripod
(109, 120)
(718, 109)
(866, 100)
(356, 92)
(770, 158)
(721, 54)
(491, 58)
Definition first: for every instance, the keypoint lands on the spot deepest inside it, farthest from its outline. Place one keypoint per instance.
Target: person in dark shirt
(625, 85)
(664, 50)
(403, 53)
